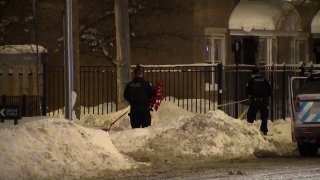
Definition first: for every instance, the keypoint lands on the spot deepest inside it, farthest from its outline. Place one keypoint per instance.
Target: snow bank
(213, 135)
(55, 146)
(166, 113)
(105, 120)
(17, 49)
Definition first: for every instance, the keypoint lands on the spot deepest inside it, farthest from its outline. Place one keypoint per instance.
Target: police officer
(258, 89)
(138, 93)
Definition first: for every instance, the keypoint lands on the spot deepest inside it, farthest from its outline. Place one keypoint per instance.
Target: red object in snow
(156, 100)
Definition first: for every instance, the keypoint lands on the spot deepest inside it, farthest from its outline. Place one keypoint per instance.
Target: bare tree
(123, 61)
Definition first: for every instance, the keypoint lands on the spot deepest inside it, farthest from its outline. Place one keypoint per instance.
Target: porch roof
(264, 15)
(315, 24)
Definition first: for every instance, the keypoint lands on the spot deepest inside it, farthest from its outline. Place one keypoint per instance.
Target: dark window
(311, 87)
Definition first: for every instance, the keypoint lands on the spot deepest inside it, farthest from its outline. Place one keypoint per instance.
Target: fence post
(43, 106)
(44, 84)
(3, 104)
(23, 110)
(302, 70)
(311, 69)
(272, 94)
(3, 100)
(236, 93)
(284, 93)
(220, 85)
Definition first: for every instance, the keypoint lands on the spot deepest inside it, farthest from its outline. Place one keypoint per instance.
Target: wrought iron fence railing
(198, 88)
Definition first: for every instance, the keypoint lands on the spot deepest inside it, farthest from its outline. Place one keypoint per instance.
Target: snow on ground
(104, 120)
(47, 147)
(167, 113)
(55, 146)
(213, 135)
(17, 49)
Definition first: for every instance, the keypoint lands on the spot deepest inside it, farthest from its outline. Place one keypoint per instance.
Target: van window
(310, 87)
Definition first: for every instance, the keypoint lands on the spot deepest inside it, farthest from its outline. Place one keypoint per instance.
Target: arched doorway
(268, 31)
(315, 31)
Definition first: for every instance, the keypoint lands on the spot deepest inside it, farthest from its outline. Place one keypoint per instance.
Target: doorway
(250, 49)
(245, 49)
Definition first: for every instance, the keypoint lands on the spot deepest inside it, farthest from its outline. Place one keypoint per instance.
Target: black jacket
(138, 92)
(258, 87)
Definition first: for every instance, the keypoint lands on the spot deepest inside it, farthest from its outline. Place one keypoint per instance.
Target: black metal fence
(191, 87)
(31, 105)
(197, 88)
(98, 90)
(235, 78)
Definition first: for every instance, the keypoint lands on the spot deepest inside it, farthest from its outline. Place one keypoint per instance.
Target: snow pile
(166, 113)
(17, 49)
(213, 135)
(104, 120)
(53, 147)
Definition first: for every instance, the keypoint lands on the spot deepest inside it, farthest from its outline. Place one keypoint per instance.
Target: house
(230, 32)
(261, 32)
(175, 31)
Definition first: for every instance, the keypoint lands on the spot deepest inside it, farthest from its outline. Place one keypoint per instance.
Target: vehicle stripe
(306, 106)
(316, 118)
(303, 105)
(310, 117)
(305, 117)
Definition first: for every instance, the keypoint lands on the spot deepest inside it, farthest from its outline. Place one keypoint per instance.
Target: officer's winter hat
(137, 70)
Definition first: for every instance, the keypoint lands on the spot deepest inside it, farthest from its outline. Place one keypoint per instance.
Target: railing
(198, 88)
(192, 87)
(98, 89)
(31, 105)
(235, 78)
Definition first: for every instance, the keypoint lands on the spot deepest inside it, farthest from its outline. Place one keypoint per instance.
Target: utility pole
(123, 49)
(68, 61)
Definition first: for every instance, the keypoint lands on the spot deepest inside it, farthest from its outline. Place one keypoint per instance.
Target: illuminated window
(215, 45)
(267, 51)
(300, 51)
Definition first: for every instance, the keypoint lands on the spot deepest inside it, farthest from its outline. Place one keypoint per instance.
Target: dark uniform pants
(261, 105)
(140, 117)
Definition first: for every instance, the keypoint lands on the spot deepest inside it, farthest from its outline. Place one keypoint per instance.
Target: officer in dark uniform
(138, 93)
(258, 89)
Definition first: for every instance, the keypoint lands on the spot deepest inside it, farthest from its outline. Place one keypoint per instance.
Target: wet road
(261, 168)
(273, 168)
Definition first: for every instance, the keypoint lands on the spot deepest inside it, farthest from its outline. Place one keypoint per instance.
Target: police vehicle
(305, 112)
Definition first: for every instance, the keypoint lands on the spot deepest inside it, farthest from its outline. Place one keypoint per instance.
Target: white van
(305, 111)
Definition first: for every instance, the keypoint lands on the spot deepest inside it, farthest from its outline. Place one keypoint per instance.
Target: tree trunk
(76, 63)
(123, 49)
